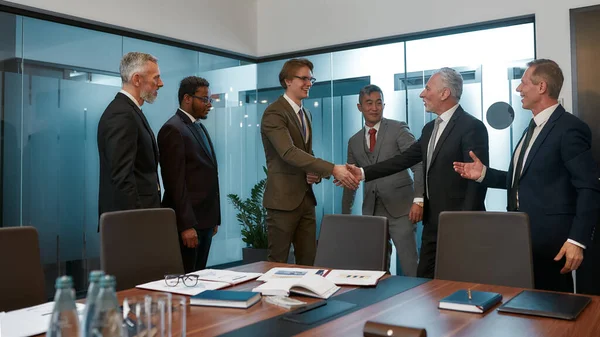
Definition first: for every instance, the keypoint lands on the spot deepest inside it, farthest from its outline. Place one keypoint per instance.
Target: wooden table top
(415, 307)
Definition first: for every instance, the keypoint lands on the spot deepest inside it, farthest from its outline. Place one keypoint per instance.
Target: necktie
(204, 136)
(431, 148)
(372, 139)
(303, 128)
(514, 190)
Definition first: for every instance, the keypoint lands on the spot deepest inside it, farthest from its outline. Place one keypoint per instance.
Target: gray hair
(134, 62)
(368, 90)
(452, 80)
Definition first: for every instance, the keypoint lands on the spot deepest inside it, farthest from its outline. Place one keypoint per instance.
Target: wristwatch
(420, 203)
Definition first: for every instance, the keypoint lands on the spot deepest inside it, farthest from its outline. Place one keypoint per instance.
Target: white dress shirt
(190, 116)
(131, 98)
(445, 117)
(297, 108)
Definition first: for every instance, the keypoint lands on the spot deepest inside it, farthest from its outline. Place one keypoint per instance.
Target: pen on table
(469, 293)
(308, 307)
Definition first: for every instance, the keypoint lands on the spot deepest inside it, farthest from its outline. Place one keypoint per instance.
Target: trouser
(195, 258)
(402, 233)
(297, 227)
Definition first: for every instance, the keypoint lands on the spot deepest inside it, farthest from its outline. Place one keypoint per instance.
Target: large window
(56, 80)
(491, 62)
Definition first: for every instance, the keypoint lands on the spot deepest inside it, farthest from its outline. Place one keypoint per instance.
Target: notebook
(309, 285)
(480, 302)
(539, 303)
(226, 298)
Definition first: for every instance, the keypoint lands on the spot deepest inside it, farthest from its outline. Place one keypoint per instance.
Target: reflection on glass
(52, 104)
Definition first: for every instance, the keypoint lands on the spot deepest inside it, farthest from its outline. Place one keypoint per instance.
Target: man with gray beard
(126, 144)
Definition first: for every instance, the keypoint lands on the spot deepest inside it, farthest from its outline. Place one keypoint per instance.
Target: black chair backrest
(485, 247)
(139, 246)
(352, 242)
(22, 281)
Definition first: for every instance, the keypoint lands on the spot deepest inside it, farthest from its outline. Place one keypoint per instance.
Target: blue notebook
(226, 298)
(480, 302)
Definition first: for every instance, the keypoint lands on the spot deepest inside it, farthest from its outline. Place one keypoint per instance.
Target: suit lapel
(289, 111)
(190, 125)
(146, 125)
(440, 143)
(214, 156)
(511, 166)
(380, 137)
(541, 137)
(360, 145)
(308, 117)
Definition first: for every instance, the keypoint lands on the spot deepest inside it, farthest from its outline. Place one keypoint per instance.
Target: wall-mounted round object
(500, 115)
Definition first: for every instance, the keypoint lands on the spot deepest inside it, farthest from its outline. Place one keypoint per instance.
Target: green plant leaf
(252, 215)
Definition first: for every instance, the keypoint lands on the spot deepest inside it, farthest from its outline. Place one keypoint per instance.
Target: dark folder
(538, 303)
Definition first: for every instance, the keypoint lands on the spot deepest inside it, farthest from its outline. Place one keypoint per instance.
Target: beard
(148, 96)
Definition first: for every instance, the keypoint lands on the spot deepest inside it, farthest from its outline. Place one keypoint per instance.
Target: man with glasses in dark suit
(190, 173)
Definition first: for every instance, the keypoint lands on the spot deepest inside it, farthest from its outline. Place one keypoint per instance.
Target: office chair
(352, 242)
(22, 281)
(485, 247)
(139, 246)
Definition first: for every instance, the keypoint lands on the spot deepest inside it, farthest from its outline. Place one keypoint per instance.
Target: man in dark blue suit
(190, 173)
(552, 177)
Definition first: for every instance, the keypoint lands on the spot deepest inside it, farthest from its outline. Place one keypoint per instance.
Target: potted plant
(252, 217)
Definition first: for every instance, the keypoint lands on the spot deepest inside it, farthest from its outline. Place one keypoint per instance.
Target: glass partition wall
(56, 80)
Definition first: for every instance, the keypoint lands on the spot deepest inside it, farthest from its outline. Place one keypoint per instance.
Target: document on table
(29, 321)
(181, 288)
(227, 276)
(290, 273)
(355, 277)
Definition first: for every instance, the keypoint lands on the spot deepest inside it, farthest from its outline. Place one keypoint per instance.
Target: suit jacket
(288, 157)
(395, 191)
(128, 158)
(190, 174)
(447, 190)
(559, 187)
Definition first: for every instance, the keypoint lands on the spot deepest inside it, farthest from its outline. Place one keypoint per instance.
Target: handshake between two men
(348, 176)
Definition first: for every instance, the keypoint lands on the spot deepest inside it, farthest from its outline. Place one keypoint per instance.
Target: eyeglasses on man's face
(205, 99)
(312, 80)
(172, 280)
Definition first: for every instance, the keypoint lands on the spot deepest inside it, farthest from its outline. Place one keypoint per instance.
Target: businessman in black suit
(447, 139)
(552, 177)
(126, 144)
(190, 174)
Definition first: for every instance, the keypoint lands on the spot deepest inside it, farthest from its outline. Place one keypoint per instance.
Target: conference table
(416, 307)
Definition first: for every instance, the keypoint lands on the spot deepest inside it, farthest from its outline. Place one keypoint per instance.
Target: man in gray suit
(393, 196)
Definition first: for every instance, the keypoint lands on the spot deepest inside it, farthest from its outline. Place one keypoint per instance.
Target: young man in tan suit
(292, 169)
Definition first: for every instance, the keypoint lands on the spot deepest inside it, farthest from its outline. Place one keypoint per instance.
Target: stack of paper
(355, 277)
(181, 288)
(227, 276)
(209, 279)
(29, 321)
(337, 276)
(290, 273)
